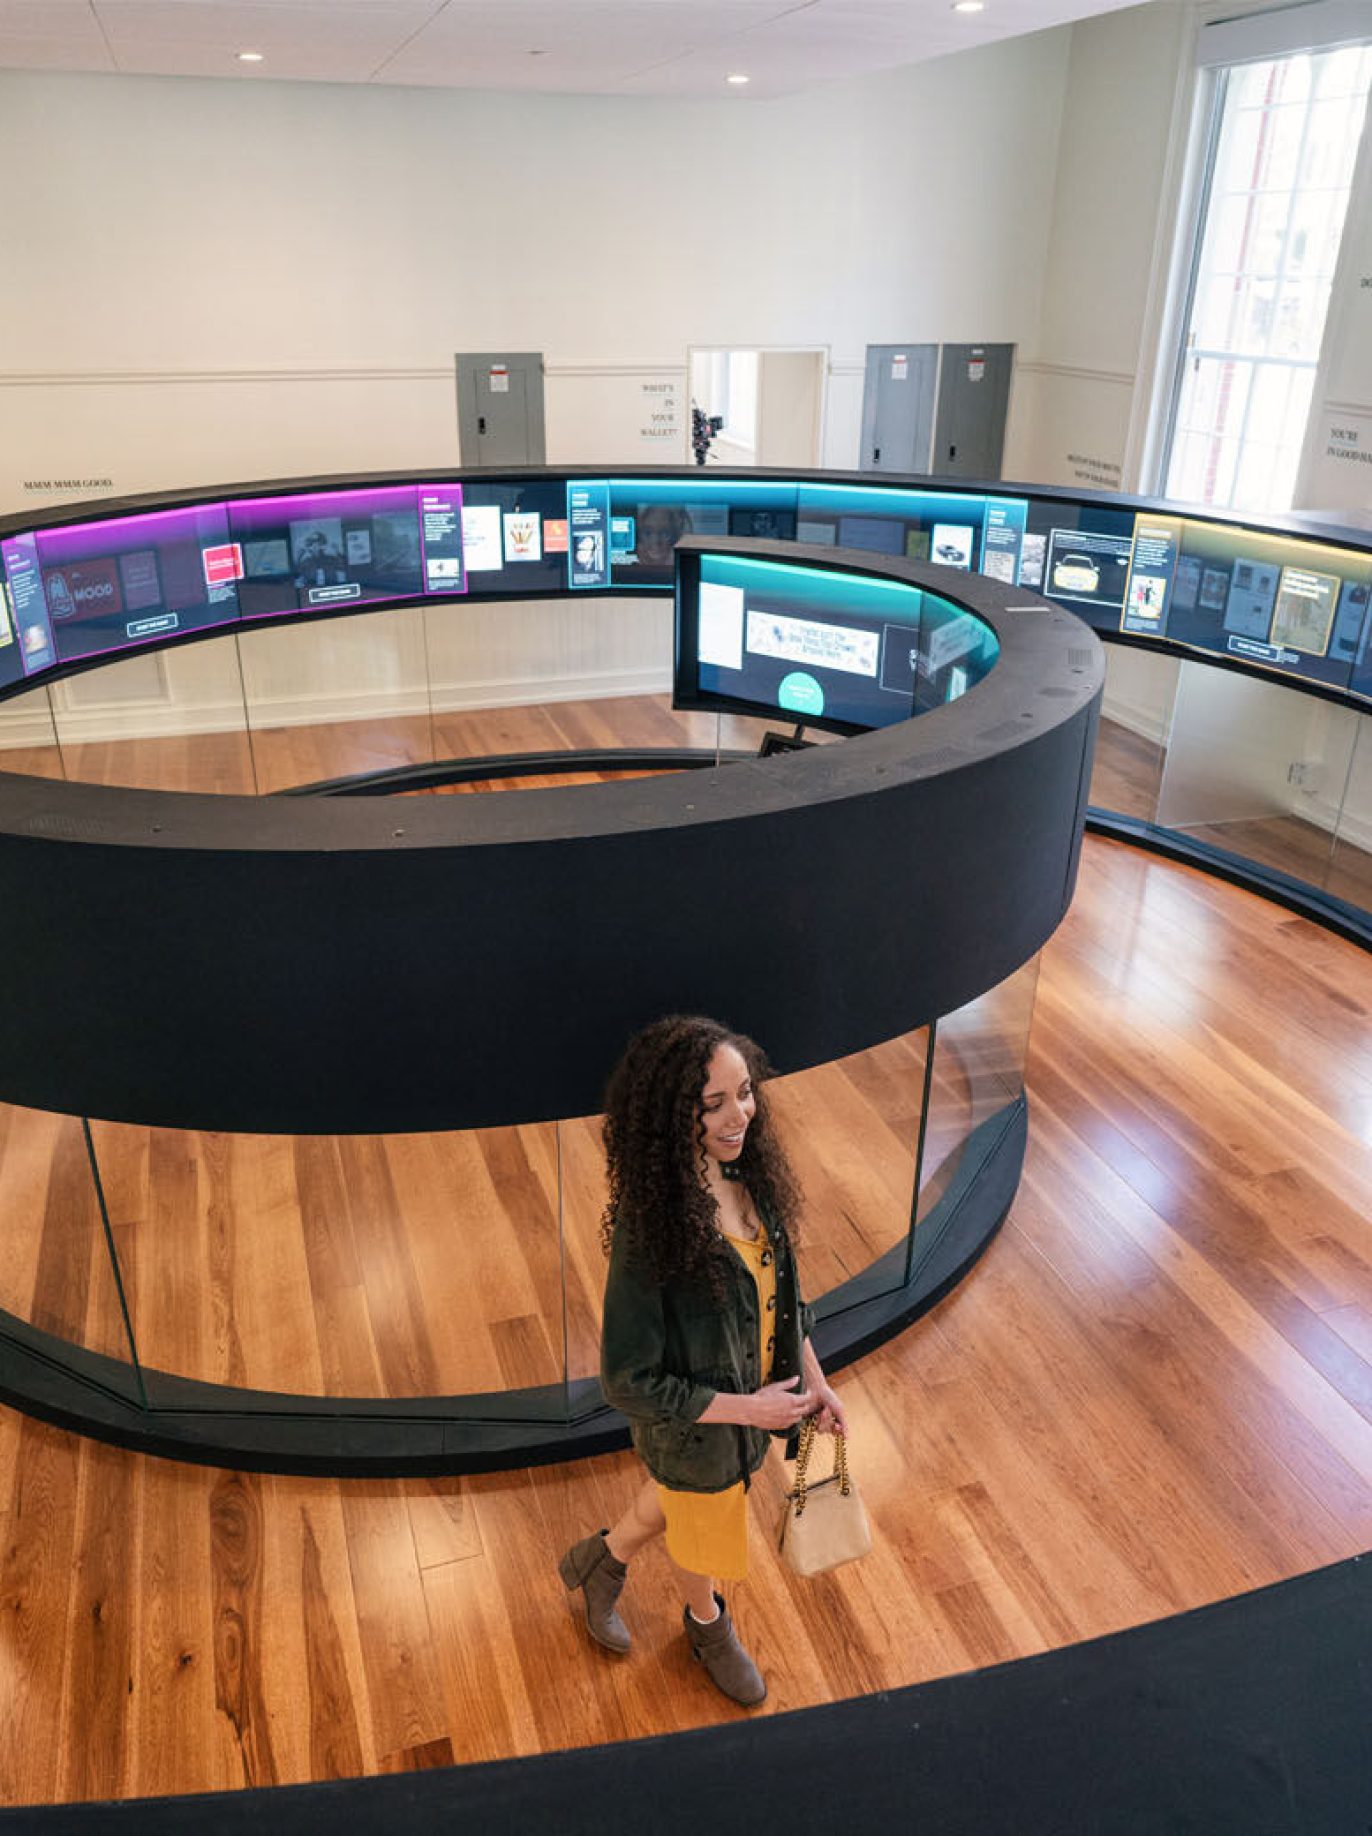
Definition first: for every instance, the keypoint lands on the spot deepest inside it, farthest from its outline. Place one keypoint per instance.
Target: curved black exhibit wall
(363, 966)
(316, 964)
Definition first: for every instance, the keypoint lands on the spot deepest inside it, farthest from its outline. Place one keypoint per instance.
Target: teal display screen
(824, 648)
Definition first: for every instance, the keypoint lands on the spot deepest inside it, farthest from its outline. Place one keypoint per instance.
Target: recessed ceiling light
(738, 79)
(969, 6)
(250, 57)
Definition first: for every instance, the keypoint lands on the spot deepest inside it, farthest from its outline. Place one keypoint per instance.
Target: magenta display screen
(137, 579)
(91, 588)
(324, 551)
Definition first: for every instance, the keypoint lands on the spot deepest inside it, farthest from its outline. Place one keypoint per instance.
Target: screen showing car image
(838, 650)
(138, 579)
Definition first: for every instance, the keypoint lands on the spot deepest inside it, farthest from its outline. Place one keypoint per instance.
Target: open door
(769, 404)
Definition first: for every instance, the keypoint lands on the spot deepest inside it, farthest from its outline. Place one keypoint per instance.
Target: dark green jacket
(666, 1351)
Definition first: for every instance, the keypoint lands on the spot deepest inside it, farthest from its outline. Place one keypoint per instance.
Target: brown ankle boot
(728, 1665)
(588, 1565)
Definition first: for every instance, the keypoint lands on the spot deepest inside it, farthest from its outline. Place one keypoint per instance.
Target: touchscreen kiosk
(820, 647)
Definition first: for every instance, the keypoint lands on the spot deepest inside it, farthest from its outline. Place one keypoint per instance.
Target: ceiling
(588, 47)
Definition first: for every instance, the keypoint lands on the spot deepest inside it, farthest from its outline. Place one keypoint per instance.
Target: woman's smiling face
(727, 1104)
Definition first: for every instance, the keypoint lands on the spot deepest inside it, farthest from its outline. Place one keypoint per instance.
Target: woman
(705, 1341)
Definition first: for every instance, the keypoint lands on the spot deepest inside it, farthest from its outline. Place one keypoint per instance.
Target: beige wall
(223, 281)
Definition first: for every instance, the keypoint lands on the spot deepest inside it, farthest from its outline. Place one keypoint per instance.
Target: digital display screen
(29, 646)
(938, 526)
(1291, 605)
(516, 537)
(1282, 602)
(648, 517)
(821, 648)
(328, 550)
(138, 579)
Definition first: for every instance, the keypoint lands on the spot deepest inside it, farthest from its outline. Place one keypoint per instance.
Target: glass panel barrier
(57, 1267)
(165, 720)
(979, 1055)
(28, 736)
(1249, 767)
(581, 1160)
(1350, 862)
(417, 1265)
(337, 698)
(852, 1130)
(1136, 719)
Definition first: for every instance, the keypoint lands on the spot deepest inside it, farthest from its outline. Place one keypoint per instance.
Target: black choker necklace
(730, 1169)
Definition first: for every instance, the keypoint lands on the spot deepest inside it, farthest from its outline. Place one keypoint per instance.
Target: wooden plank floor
(1153, 1392)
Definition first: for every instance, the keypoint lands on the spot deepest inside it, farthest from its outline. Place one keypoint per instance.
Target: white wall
(1077, 389)
(221, 281)
(1336, 473)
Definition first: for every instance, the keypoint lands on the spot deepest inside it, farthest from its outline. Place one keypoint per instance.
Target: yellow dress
(707, 1532)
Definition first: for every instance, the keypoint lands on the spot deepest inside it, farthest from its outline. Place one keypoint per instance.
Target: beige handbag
(823, 1523)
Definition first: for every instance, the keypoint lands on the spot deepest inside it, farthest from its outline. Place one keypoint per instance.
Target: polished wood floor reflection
(1154, 1391)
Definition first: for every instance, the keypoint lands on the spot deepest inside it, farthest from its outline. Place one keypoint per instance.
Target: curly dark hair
(653, 1145)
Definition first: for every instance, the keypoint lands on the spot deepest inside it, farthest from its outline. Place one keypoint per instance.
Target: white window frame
(1219, 42)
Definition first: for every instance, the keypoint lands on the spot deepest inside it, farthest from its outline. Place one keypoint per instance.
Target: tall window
(1283, 150)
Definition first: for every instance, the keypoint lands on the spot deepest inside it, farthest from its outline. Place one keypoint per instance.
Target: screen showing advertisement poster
(844, 651)
(134, 580)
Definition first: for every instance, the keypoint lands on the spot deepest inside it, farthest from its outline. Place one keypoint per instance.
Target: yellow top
(707, 1532)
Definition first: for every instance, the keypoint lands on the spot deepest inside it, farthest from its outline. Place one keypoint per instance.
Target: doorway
(769, 404)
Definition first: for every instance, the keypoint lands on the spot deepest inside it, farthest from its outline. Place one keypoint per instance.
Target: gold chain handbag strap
(804, 1448)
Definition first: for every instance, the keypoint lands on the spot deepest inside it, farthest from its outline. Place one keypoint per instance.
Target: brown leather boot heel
(588, 1565)
(727, 1664)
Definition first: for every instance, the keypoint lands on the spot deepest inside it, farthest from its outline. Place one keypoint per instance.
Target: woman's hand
(780, 1405)
(828, 1410)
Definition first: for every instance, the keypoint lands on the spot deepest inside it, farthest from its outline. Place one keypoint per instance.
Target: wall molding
(1121, 379)
(89, 379)
(588, 368)
(301, 373)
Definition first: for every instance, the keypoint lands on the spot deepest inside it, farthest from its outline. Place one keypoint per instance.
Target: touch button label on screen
(800, 694)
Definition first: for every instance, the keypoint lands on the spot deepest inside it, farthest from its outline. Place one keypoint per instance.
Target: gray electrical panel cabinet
(973, 396)
(500, 407)
(898, 407)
